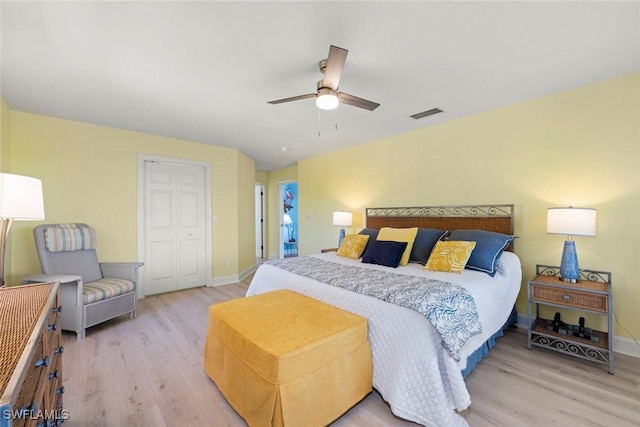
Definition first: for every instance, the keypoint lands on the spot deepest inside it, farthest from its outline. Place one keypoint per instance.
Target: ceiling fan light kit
(327, 95)
(326, 99)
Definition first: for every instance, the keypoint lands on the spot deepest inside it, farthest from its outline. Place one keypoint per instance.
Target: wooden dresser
(31, 356)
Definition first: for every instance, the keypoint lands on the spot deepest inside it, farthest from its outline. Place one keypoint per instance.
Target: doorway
(289, 219)
(259, 222)
(175, 236)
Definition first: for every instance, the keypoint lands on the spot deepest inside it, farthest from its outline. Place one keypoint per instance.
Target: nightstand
(324, 251)
(290, 249)
(592, 294)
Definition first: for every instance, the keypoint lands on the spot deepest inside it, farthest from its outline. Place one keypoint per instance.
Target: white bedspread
(412, 371)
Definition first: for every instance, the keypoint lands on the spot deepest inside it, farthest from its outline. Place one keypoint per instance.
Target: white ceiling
(204, 71)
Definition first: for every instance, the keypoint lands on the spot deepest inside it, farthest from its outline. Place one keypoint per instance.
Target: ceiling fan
(327, 95)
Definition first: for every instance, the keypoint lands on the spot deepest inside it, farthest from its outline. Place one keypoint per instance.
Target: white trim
(208, 252)
(235, 278)
(225, 280)
(626, 346)
(621, 345)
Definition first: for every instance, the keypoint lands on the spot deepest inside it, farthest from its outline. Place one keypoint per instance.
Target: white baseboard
(620, 344)
(235, 278)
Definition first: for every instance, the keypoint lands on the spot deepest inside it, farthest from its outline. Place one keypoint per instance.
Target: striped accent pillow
(69, 237)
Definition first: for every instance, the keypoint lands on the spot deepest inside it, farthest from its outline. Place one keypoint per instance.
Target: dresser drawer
(571, 298)
(30, 355)
(29, 397)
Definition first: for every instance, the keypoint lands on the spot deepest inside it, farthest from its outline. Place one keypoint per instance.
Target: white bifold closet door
(174, 222)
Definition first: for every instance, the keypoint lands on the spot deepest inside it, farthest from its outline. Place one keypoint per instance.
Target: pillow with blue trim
(384, 252)
(489, 247)
(425, 240)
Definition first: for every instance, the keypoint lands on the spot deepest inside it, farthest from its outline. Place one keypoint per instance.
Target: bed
(420, 377)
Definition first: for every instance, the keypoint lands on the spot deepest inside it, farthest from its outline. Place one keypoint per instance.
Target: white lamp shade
(326, 99)
(286, 219)
(571, 221)
(21, 197)
(342, 218)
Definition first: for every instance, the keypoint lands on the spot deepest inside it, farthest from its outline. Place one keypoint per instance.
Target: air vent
(426, 113)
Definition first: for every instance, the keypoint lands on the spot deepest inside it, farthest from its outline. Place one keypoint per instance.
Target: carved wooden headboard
(497, 218)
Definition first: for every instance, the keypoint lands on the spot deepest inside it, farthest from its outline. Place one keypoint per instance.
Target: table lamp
(20, 199)
(286, 219)
(343, 219)
(571, 222)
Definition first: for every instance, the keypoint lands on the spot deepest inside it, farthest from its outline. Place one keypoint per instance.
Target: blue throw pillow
(372, 233)
(384, 252)
(489, 247)
(423, 244)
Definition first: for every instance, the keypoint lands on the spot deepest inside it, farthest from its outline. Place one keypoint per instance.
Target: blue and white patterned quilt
(449, 307)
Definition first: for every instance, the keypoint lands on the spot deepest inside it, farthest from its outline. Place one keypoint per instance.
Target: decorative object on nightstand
(343, 219)
(20, 199)
(571, 222)
(591, 294)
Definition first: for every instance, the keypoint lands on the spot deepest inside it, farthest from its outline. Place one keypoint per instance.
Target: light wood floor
(149, 372)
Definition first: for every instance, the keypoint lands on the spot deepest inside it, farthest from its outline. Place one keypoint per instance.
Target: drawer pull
(60, 390)
(566, 297)
(54, 374)
(42, 362)
(58, 350)
(57, 309)
(52, 327)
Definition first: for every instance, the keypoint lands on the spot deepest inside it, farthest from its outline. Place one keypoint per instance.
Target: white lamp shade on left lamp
(20, 200)
(21, 197)
(342, 219)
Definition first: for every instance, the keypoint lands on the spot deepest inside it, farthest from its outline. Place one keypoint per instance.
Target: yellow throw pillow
(400, 235)
(353, 245)
(451, 256)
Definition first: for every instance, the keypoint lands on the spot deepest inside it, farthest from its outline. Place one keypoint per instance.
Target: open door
(289, 219)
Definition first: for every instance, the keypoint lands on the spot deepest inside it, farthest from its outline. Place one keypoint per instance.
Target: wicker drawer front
(54, 312)
(37, 368)
(586, 300)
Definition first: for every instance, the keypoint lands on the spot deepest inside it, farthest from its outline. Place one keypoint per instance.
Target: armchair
(91, 292)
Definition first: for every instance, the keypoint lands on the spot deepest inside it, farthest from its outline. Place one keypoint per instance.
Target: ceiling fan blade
(345, 98)
(293, 98)
(335, 64)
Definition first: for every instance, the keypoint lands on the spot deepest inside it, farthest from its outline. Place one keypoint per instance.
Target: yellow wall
(4, 136)
(580, 148)
(89, 174)
(246, 213)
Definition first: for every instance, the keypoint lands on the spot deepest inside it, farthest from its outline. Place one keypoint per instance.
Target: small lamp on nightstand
(343, 219)
(571, 222)
(286, 219)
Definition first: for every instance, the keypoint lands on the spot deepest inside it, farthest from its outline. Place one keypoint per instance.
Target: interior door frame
(261, 231)
(208, 252)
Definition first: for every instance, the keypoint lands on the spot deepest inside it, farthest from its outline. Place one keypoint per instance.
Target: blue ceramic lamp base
(569, 270)
(341, 237)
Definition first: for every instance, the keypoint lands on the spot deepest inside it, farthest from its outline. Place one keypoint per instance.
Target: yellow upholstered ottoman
(284, 359)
